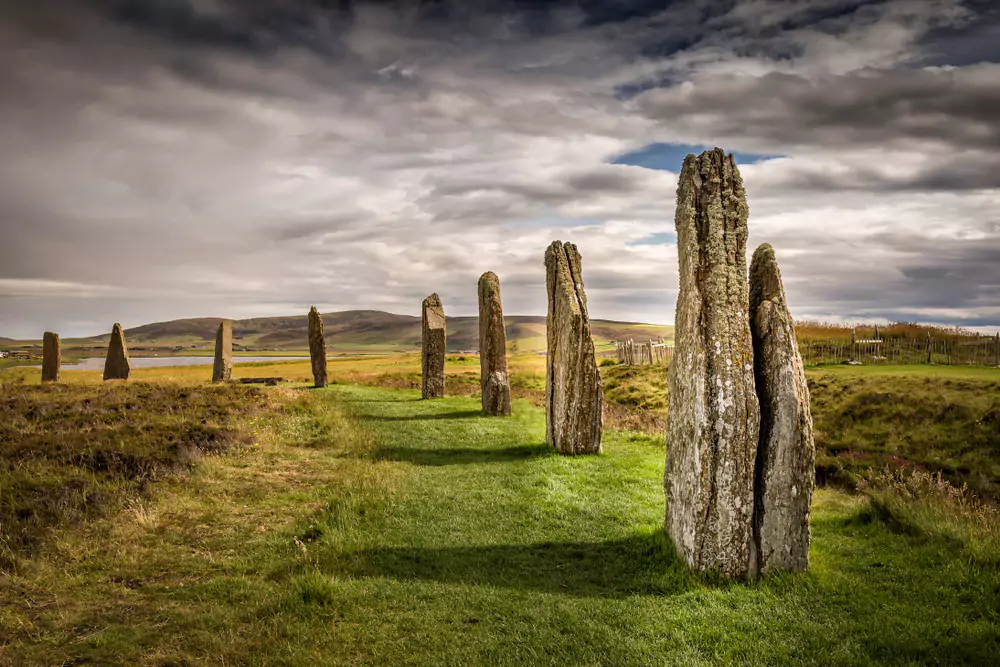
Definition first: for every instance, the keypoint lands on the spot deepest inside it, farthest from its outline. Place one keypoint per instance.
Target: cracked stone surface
(317, 348)
(574, 398)
(433, 339)
(786, 454)
(713, 420)
(222, 370)
(494, 381)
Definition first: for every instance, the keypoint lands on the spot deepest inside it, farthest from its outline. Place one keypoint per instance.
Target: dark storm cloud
(956, 107)
(967, 43)
(218, 157)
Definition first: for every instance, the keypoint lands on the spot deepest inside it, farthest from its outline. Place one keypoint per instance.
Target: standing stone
(223, 369)
(785, 472)
(713, 419)
(51, 357)
(317, 347)
(574, 398)
(433, 347)
(116, 365)
(492, 348)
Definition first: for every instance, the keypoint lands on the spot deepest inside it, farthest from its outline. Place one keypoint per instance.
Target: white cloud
(407, 156)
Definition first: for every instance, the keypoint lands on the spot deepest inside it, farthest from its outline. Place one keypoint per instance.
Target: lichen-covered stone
(785, 471)
(51, 357)
(433, 347)
(713, 420)
(317, 347)
(492, 348)
(574, 398)
(222, 371)
(117, 365)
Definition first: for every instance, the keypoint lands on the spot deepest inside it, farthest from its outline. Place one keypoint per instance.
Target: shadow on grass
(458, 414)
(642, 564)
(443, 456)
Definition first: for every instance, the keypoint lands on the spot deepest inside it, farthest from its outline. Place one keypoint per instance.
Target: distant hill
(361, 330)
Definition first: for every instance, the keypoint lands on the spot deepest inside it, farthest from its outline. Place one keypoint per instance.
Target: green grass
(370, 527)
(937, 418)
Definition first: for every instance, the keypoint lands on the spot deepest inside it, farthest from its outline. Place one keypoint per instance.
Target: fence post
(998, 349)
(930, 346)
(852, 344)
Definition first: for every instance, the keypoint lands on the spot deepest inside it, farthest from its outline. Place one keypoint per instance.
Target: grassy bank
(932, 418)
(73, 453)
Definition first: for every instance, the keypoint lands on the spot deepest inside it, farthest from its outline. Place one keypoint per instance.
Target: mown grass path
(370, 527)
(497, 551)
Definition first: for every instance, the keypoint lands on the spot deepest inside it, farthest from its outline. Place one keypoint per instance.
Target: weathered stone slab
(494, 382)
(222, 371)
(433, 347)
(117, 365)
(574, 398)
(713, 420)
(51, 357)
(317, 347)
(786, 454)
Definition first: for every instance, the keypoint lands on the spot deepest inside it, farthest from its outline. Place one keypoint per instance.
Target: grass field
(360, 525)
(936, 418)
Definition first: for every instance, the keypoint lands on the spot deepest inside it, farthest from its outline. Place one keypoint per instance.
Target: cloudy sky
(175, 158)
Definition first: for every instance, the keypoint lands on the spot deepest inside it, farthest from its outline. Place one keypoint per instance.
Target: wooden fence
(982, 351)
(638, 353)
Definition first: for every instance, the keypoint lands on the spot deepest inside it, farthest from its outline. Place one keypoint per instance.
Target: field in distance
(351, 331)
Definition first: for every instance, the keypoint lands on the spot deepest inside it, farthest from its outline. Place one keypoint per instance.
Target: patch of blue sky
(670, 157)
(659, 238)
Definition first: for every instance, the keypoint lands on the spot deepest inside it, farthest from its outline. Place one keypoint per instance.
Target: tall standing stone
(117, 365)
(433, 347)
(51, 357)
(492, 348)
(317, 347)
(785, 471)
(222, 371)
(713, 419)
(574, 398)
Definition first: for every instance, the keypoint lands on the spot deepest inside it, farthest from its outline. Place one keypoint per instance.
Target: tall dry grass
(923, 503)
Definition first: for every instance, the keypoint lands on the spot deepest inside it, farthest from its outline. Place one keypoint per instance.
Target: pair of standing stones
(222, 369)
(116, 364)
(494, 381)
(739, 468)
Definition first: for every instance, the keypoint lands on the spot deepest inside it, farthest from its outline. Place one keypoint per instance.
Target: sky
(237, 158)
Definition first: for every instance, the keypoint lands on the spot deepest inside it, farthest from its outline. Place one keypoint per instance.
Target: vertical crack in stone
(433, 345)
(494, 381)
(574, 395)
(117, 365)
(784, 470)
(317, 348)
(222, 369)
(713, 421)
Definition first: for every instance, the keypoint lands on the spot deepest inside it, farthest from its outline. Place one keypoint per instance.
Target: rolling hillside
(357, 330)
